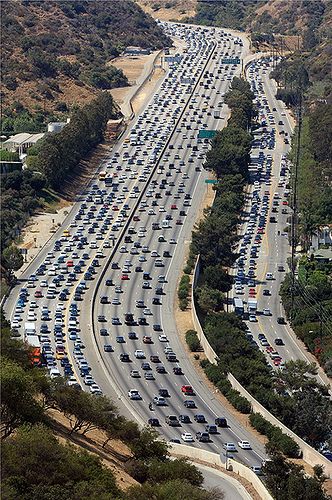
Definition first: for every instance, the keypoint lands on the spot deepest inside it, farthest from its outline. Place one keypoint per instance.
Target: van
(54, 373)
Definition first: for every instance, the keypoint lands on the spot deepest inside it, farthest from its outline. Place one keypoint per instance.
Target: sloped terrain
(55, 52)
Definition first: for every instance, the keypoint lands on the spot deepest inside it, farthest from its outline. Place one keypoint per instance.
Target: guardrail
(209, 458)
(310, 455)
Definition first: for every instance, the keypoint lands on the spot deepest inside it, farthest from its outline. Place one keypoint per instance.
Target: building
(56, 126)
(135, 51)
(21, 142)
(322, 237)
(323, 255)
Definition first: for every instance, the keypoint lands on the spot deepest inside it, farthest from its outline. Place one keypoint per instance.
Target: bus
(238, 306)
(102, 175)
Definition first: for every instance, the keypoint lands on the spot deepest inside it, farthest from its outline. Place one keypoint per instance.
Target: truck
(238, 306)
(29, 329)
(252, 306)
(34, 343)
(216, 114)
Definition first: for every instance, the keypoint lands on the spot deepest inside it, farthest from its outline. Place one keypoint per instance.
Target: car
(108, 348)
(257, 469)
(124, 357)
(203, 437)
(163, 338)
(187, 437)
(187, 390)
(278, 341)
(134, 394)
(177, 370)
(199, 419)
(164, 393)
(135, 374)
(281, 320)
(154, 422)
(189, 403)
(139, 354)
(148, 376)
(145, 366)
(154, 358)
(159, 401)
(229, 447)
(266, 292)
(245, 445)
(160, 369)
(221, 422)
(132, 336)
(120, 339)
(252, 318)
(184, 419)
(175, 440)
(266, 312)
(211, 429)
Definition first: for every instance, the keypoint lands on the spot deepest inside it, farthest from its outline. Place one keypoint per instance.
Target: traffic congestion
(97, 304)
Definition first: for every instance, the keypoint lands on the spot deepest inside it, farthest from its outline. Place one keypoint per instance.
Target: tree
(12, 257)
(36, 465)
(147, 445)
(84, 411)
(288, 481)
(18, 403)
(208, 299)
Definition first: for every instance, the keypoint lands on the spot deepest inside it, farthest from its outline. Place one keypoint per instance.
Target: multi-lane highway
(264, 246)
(99, 297)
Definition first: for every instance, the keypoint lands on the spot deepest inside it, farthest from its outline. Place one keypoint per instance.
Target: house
(323, 255)
(21, 142)
(322, 237)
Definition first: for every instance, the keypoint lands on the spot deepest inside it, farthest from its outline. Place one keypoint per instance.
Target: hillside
(55, 52)
(169, 10)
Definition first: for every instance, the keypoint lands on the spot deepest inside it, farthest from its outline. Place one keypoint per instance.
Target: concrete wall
(209, 352)
(310, 455)
(215, 459)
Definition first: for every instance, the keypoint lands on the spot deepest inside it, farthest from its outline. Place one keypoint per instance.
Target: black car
(108, 348)
(184, 419)
(177, 370)
(103, 332)
(200, 419)
(132, 336)
(221, 422)
(109, 282)
(281, 320)
(278, 341)
(266, 292)
(142, 321)
(161, 369)
(189, 403)
(154, 422)
(124, 357)
(164, 393)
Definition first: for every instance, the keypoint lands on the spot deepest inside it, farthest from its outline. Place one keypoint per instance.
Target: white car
(134, 394)
(187, 437)
(266, 312)
(163, 338)
(245, 445)
(135, 374)
(95, 389)
(139, 354)
(229, 446)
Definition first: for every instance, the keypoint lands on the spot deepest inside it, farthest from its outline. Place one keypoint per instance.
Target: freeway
(91, 273)
(265, 247)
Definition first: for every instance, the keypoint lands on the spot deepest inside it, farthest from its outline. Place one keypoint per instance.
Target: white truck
(29, 329)
(252, 306)
(216, 113)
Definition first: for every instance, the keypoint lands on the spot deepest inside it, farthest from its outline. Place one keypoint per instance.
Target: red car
(38, 294)
(179, 222)
(147, 340)
(187, 390)
(125, 277)
(173, 207)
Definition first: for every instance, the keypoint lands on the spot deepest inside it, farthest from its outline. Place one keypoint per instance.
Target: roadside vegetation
(35, 463)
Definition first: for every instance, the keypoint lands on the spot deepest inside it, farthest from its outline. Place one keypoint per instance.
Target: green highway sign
(211, 181)
(206, 134)
(231, 61)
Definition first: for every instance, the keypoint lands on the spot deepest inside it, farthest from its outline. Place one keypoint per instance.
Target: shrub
(239, 402)
(183, 304)
(277, 438)
(193, 341)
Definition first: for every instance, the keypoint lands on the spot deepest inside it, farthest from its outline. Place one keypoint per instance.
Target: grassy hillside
(55, 52)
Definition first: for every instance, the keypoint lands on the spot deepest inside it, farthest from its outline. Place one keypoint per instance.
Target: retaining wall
(215, 459)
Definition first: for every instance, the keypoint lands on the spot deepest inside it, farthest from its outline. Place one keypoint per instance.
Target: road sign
(206, 134)
(211, 181)
(231, 61)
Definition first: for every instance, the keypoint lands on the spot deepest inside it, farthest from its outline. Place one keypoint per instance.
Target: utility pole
(294, 204)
